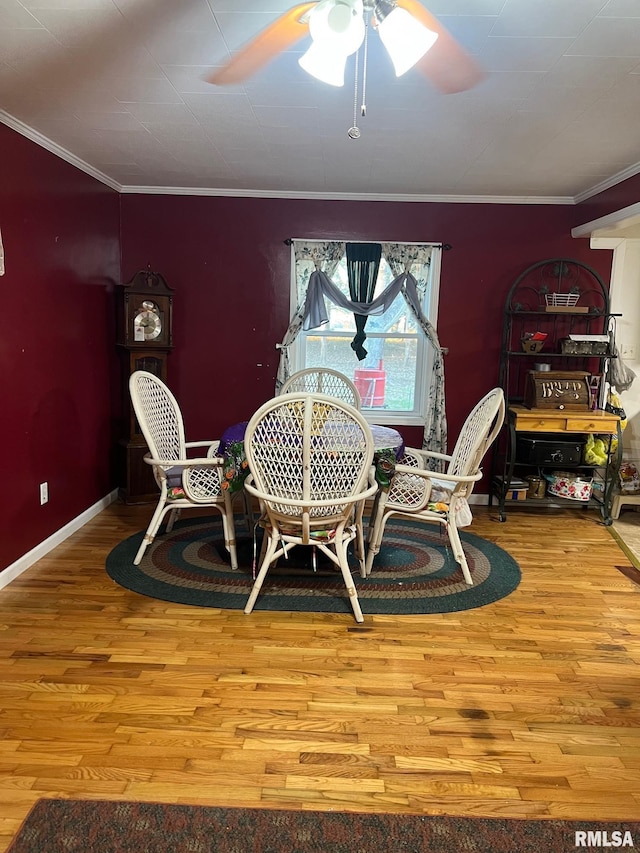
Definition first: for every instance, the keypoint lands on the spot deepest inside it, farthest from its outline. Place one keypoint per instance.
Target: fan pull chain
(354, 130)
(363, 108)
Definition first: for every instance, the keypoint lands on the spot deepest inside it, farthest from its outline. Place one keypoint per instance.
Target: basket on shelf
(565, 299)
(585, 345)
(529, 345)
(533, 341)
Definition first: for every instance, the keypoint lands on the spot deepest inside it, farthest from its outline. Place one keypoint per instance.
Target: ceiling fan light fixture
(338, 24)
(325, 64)
(404, 37)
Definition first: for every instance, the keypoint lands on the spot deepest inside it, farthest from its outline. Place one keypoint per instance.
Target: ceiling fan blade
(278, 36)
(447, 64)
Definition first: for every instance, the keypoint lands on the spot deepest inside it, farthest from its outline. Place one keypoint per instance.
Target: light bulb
(338, 24)
(324, 64)
(405, 39)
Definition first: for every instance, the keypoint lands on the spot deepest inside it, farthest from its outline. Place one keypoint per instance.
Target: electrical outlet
(628, 351)
(44, 493)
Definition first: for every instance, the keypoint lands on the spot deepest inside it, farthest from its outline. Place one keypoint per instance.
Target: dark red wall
(230, 268)
(60, 230)
(615, 198)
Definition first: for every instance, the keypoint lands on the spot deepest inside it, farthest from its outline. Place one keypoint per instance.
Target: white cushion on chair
(441, 494)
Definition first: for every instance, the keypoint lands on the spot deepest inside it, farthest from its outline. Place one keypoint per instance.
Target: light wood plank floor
(525, 707)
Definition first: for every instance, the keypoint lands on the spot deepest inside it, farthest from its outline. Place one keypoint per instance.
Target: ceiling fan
(411, 35)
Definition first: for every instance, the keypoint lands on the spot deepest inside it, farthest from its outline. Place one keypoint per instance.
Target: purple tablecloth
(231, 435)
(387, 443)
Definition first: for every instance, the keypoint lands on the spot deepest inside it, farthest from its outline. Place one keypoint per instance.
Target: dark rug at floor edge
(107, 826)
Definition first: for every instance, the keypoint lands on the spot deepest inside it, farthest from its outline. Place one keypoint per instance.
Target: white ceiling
(117, 86)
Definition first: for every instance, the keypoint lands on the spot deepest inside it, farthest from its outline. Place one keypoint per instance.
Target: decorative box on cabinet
(557, 389)
(558, 298)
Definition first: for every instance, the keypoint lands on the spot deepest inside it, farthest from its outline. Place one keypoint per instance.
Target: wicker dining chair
(323, 380)
(184, 482)
(310, 458)
(422, 495)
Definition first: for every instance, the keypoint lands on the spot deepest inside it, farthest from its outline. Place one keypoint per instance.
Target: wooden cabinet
(543, 420)
(556, 324)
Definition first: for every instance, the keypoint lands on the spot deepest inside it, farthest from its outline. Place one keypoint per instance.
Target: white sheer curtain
(401, 257)
(326, 254)
(312, 312)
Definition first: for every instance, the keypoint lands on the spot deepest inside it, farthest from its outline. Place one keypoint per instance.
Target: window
(392, 380)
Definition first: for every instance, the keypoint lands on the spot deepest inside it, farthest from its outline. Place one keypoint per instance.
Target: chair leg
(372, 517)
(376, 539)
(458, 553)
(371, 555)
(248, 510)
(375, 534)
(152, 529)
(263, 547)
(359, 551)
(229, 530)
(264, 568)
(341, 554)
(174, 515)
(358, 542)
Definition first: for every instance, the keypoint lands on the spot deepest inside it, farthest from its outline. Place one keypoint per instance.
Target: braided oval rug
(414, 573)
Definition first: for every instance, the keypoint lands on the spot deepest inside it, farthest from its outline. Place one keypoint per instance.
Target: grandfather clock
(144, 339)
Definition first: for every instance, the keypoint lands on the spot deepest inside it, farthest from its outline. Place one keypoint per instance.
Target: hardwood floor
(525, 707)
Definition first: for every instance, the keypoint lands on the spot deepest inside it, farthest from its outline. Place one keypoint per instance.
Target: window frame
(424, 354)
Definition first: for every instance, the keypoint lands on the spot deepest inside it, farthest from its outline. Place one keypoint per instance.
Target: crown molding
(329, 196)
(629, 172)
(58, 150)
(619, 219)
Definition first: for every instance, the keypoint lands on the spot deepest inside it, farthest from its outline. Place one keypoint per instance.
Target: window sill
(383, 416)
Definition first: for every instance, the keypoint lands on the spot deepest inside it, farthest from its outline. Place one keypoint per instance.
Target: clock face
(147, 324)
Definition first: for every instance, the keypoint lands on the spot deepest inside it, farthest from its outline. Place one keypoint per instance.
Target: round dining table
(388, 446)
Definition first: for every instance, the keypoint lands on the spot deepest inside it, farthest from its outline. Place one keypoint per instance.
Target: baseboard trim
(16, 569)
(625, 548)
(481, 500)
(21, 565)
